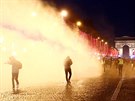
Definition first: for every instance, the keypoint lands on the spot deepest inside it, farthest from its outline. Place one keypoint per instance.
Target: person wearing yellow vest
(120, 65)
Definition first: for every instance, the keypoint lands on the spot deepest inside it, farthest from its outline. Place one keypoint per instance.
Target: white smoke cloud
(39, 38)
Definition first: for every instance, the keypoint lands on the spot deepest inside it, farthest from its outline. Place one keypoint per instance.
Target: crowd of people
(108, 62)
(118, 63)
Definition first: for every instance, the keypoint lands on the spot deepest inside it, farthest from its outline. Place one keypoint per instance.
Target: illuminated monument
(125, 46)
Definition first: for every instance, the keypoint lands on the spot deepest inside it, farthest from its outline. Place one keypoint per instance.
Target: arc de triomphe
(125, 46)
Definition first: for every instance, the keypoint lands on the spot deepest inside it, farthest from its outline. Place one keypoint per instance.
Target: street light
(106, 48)
(64, 13)
(106, 43)
(78, 23)
(102, 46)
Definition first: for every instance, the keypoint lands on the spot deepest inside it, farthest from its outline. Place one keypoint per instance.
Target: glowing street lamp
(102, 46)
(64, 13)
(106, 48)
(98, 38)
(78, 23)
(106, 43)
(102, 40)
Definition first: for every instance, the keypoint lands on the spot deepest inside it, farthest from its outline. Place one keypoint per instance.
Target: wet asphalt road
(127, 92)
(88, 89)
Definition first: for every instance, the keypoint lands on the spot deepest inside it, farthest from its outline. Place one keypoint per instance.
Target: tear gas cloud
(38, 37)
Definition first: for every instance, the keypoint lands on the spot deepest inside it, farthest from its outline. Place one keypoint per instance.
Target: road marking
(117, 90)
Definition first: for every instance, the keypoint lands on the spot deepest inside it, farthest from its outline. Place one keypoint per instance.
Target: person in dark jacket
(67, 65)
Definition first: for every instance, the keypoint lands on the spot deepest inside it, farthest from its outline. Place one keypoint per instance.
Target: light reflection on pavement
(88, 89)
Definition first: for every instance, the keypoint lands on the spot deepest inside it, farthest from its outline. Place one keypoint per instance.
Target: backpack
(19, 65)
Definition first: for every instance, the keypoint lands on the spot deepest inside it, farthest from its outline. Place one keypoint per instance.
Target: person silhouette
(67, 65)
(16, 65)
(120, 65)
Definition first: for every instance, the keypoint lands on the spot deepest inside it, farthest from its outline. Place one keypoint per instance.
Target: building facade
(125, 46)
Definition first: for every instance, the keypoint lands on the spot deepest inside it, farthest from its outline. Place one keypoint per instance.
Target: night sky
(111, 18)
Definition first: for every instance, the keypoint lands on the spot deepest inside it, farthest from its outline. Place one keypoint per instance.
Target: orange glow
(78, 23)
(106, 43)
(41, 43)
(64, 13)
(102, 40)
